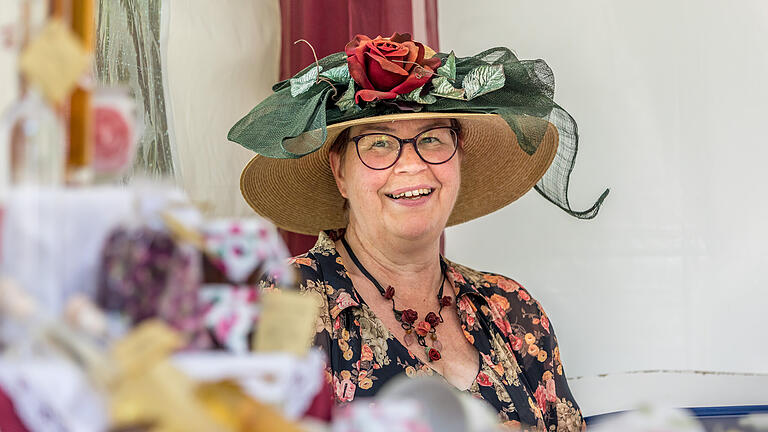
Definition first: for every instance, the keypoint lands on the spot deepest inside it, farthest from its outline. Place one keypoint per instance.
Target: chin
(415, 230)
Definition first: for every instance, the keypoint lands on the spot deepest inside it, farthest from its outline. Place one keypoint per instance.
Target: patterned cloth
(520, 374)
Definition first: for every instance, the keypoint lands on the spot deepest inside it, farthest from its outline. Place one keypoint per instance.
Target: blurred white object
(33, 135)
(52, 237)
(52, 396)
(384, 416)
(83, 315)
(649, 419)
(15, 303)
(758, 422)
(444, 408)
(282, 380)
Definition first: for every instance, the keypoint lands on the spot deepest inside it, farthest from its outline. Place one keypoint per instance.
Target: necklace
(407, 317)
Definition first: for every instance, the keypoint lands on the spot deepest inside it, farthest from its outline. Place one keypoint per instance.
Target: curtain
(329, 25)
(128, 54)
(221, 59)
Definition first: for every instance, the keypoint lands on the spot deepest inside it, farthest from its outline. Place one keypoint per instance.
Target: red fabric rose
(446, 301)
(410, 316)
(432, 319)
(387, 67)
(389, 293)
(423, 328)
(433, 354)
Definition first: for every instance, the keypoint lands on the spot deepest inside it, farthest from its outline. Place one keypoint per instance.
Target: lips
(412, 194)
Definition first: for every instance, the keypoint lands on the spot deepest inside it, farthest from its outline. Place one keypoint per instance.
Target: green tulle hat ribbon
(292, 121)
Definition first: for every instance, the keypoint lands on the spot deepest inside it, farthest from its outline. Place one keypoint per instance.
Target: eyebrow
(385, 128)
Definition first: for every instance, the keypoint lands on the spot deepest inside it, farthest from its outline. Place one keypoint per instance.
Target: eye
(378, 142)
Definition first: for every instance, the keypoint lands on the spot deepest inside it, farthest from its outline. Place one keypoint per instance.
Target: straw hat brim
(301, 195)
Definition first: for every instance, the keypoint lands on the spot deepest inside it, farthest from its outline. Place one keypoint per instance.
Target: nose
(409, 161)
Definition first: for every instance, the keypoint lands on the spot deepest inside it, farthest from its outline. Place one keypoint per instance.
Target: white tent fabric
(662, 297)
(221, 59)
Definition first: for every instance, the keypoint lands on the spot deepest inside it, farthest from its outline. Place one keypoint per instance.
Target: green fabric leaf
(339, 74)
(448, 69)
(443, 88)
(347, 100)
(302, 83)
(483, 79)
(272, 127)
(299, 144)
(415, 96)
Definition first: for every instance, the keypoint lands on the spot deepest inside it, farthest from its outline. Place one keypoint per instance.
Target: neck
(411, 266)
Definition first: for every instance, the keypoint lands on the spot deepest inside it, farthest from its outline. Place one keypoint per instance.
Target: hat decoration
(395, 75)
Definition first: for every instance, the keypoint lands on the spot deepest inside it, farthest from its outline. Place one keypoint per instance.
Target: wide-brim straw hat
(514, 136)
(301, 195)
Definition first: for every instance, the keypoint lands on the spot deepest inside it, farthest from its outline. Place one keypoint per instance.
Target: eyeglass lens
(380, 151)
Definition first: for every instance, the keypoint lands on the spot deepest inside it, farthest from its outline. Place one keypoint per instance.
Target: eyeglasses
(380, 151)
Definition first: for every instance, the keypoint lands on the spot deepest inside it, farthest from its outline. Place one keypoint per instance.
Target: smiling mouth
(412, 194)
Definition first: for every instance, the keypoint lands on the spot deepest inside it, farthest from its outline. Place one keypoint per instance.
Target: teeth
(412, 193)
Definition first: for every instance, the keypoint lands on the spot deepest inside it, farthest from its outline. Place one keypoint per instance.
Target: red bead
(389, 293)
(423, 328)
(409, 316)
(432, 319)
(433, 354)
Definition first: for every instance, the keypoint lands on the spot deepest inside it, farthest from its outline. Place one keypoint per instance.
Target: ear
(338, 171)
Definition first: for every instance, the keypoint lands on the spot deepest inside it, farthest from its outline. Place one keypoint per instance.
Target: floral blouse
(520, 373)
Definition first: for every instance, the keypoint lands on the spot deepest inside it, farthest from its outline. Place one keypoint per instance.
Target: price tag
(54, 60)
(287, 322)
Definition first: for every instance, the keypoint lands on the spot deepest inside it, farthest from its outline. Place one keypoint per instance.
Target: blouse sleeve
(535, 337)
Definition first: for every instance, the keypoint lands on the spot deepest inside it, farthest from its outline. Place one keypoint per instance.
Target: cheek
(449, 176)
(364, 184)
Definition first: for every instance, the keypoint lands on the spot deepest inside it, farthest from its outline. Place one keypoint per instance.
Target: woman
(379, 149)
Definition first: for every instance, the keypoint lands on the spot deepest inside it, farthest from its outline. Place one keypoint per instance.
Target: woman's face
(376, 203)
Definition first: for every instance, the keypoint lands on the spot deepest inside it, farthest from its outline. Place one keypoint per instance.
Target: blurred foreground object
(80, 154)
(54, 61)
(287, 323)
(115, 131)
(650, 419)
(32, 140)
(52, 238)
(418, 404)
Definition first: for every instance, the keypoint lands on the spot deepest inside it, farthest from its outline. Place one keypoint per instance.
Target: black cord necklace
(408, 317)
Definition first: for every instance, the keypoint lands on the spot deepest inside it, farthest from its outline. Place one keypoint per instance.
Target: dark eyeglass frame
(403, 141)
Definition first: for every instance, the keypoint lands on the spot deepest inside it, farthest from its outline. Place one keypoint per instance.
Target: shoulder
(489, 284)
(504, 296)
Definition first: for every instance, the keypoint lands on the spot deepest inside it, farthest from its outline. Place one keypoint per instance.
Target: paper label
(287, 322)
(54, 60)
